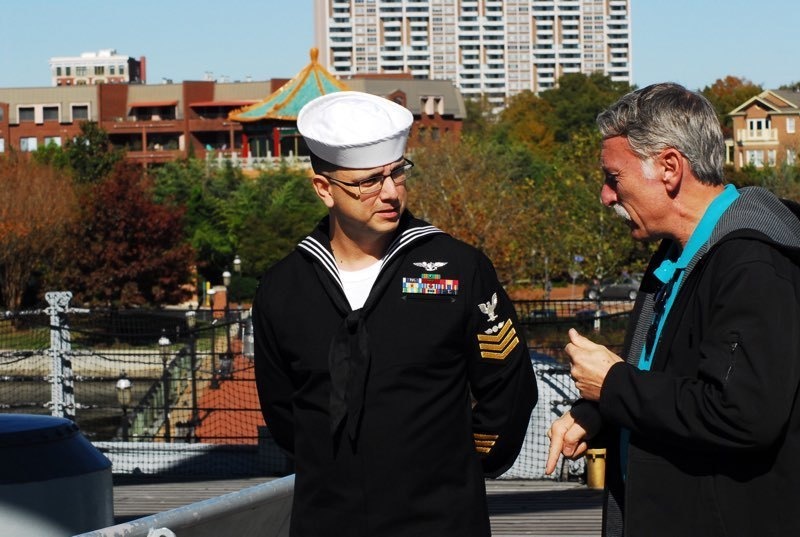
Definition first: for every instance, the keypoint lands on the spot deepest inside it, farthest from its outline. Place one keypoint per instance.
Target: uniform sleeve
(501, 375)
(748, 373)
(273, 379)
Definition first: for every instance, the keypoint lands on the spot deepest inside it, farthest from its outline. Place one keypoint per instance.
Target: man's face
(376, 213)
(632, 189)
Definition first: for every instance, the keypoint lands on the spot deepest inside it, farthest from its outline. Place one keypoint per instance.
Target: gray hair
(668, 115)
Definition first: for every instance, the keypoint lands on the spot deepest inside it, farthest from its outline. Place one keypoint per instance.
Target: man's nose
(608, 195)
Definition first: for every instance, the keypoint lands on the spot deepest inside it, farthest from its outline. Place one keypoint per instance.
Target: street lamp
(124, 400)
(191, 323)
(163, 347)
(237, 270)
(214, 380)
(226, 361)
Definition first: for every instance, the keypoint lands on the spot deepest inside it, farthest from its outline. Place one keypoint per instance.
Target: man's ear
(674, 166)
(323, 189)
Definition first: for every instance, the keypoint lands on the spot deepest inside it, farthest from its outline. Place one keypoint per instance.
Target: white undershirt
(358, 283)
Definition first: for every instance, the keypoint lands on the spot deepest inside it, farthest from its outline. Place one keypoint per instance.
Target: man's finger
(556, 442)
(579, 341)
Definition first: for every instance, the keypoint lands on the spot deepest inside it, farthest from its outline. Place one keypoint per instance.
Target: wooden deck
(516, 508)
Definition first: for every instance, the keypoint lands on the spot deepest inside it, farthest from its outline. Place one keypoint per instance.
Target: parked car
(623, 288)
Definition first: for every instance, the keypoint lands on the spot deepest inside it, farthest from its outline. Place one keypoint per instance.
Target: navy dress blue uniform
(396, 411)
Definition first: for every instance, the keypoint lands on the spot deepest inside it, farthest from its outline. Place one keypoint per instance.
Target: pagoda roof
(285, 103)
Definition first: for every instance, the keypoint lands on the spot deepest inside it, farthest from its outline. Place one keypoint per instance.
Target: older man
(387, 358)
(701, 419)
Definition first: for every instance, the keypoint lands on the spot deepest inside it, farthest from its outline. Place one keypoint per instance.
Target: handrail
(262, 510)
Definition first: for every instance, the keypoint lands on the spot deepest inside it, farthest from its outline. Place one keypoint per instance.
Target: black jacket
(715, 424)
(376, 405)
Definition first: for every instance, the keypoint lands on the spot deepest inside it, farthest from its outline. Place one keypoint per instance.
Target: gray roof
(415, 90)
(792, 97)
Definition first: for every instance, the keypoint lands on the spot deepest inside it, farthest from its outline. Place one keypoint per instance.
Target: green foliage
(91, 155)
(783, 180)
(52, 155)
(540, 123)
(479, 117)
(227, 213)
(577, 101)
(275, 210)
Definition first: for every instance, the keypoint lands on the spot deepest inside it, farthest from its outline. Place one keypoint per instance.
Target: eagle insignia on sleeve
(487, 308)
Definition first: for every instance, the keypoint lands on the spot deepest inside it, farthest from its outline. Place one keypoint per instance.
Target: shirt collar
(666, 270)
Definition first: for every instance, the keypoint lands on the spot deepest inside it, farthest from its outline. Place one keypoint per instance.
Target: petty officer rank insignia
(498, 340)
(430, 283)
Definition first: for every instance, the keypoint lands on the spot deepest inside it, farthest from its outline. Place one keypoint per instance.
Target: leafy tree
(577, 223)
(725, 94)
(127, 250)
(204, 195)
(259, 218)
(477, 192)
(792, 86)
(526, 121)
(479, 118)
(52, 155)
(577, 100)
(38, 202)
(273, 212)
(91, 155)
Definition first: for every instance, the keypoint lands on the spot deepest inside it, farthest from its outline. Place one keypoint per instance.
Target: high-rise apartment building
(497, 48)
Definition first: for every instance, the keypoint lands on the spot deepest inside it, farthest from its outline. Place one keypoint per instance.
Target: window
(27, 144)
(2, 145)
(122, 69)
(791, 156)
(26, 114)
(50, 113)
(58, 71)
(758, 124)
(790, 128)
(80, 112)
(755, 158)
(111, 69)
(68, 71)
(80, 70)
(771, 157)
(54, 140)
(99, 70)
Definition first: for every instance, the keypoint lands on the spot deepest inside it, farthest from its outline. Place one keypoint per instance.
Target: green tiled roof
(286, 102)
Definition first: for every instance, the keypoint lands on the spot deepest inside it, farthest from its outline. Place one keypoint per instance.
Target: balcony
(762, 136)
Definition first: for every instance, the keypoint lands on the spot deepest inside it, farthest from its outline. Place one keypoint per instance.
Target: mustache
(621, 212)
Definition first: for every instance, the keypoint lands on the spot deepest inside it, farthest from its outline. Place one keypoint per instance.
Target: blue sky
(692, 42)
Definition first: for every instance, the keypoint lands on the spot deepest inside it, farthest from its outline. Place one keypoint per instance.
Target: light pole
(163, 344)
(214, 380)
(237, 269)
(226, 362)
(191, 323)
(124, 400)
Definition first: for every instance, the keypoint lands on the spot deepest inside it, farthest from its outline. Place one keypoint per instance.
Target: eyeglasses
(374, 184)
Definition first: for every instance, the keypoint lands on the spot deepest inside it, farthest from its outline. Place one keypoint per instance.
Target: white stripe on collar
(408, 236)
(315, 248)
(326, 259)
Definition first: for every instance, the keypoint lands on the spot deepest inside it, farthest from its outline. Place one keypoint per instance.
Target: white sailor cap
(352, 129)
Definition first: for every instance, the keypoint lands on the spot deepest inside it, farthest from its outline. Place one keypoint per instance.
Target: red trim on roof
(222, 103)
(153, 104)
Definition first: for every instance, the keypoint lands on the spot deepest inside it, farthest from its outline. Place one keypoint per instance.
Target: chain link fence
(172, 391)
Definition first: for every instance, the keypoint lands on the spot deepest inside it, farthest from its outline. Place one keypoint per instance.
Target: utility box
(53, 481)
